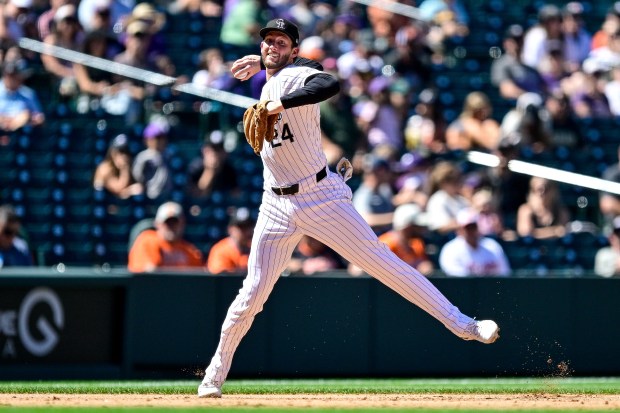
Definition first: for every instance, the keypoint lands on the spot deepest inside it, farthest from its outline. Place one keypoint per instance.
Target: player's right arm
(247, 66)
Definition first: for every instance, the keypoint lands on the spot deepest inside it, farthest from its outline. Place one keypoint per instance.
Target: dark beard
(277, 66)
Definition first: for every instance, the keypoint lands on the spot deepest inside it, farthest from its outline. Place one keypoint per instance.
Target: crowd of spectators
(409, 182)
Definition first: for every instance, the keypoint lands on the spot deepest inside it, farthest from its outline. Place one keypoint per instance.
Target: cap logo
(280, 24)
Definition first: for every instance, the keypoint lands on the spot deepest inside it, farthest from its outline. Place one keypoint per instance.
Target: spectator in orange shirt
(231, 253)
(405, 239)
(312, 256)
(164, 247)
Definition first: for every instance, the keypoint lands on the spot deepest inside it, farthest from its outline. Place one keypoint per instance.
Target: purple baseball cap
(155, 129)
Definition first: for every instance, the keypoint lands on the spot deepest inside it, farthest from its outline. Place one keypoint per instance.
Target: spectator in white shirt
(470, 254)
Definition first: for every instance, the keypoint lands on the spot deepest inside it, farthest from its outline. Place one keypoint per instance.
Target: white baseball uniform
(322, 210)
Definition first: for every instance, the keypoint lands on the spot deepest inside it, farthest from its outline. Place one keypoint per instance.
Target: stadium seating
(47, 172)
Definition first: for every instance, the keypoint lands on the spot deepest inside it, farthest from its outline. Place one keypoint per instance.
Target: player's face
(277, 50)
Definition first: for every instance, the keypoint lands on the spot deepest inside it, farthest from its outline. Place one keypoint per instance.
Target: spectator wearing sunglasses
(65, 32)
(163, 247)
(14, 251)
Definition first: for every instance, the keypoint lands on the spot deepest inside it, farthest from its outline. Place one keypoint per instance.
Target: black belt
(293, 189)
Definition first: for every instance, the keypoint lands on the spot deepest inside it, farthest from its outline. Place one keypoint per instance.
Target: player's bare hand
(246, 67)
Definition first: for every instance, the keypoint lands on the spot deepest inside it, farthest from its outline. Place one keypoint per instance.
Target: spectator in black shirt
(212, 171)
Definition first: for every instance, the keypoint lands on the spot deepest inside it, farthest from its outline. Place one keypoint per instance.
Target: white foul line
(216, 94)
(96, 62)
(394, 7)
(135, 73)
(547, 172)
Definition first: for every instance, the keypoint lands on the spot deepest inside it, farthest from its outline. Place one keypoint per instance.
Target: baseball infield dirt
(453, 401)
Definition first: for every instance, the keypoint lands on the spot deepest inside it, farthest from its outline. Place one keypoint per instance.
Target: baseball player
(303, 197)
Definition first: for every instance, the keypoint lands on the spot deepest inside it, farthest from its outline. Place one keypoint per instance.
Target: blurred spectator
(45, 20)
(19, 104)
(384, 23)
(67, 33)
(406, 238)
(114, 173)
(586, 92)
(528, 125)
(311, 257)
(448, 19)
(509, 188)
(605, 57)
(607, 259)
(312, 47)
(470, 253)
(565, 130)
(474, 128)
(577, 39)
(400, 97)
(612, 91)
(241, 20)
(445, 200)
(472, 182)
(425, 130)
(411, 183)
(208, 8)
(17, 20)
(164, 246)
(132, 92)
(151, 166)
(538, 37)
(553, 67)
(101, 20)
(411, 55)
(543, 215)
(609, 203)
(340, 133)
(231, 253)
(338, 37)
(104, 14)
(490, 222)
(358, 64)
(509, 73)
(155, 21)
(609, 25)
(212, 171)
(212, 70)
(14, 250)
(92, 82)
(430, 8)
(377, 117)
(373, 198)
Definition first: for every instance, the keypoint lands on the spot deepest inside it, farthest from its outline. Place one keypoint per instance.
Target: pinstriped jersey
(296, 151)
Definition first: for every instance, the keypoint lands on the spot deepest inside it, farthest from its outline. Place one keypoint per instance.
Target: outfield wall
(87, 324)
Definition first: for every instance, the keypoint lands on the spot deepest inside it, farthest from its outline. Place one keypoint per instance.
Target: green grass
(559, 385)
(343, 386)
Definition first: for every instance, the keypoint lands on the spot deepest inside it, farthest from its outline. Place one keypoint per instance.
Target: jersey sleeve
(317, 88)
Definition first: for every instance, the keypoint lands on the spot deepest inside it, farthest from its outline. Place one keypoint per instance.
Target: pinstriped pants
(322, 211)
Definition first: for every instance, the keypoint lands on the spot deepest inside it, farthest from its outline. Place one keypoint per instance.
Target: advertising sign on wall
(60, 325)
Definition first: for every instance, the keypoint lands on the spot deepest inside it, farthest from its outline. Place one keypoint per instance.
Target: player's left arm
(318, 87)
